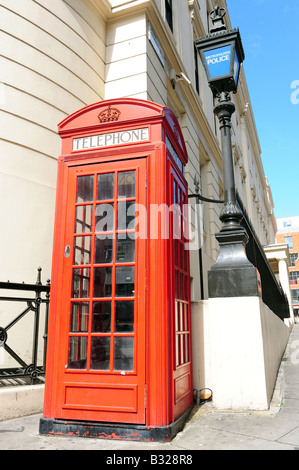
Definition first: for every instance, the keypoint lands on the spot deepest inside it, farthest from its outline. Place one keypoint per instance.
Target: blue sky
(270, 37)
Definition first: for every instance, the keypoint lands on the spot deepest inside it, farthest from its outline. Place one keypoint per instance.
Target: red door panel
(182, 373)
(102, 314)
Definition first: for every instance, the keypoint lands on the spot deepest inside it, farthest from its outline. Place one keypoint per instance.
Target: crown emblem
(109, 114)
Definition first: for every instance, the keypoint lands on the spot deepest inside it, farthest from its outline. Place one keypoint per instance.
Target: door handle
(67, 251)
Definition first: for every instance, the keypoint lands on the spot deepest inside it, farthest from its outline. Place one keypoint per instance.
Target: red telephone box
(119, 339)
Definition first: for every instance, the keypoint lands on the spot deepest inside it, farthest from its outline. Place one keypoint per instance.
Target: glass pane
(81, 279)
(186, 318)
(82, 250)
(187, 348)
(289, 241)
(186, 254)
(177, 350)
(124, 317)
(181, 317)
(79, 317)
(85, 188)
(176, 222)
(125, 251)
(177, 309)
(176, 284)
(101, 317)
(186, 287)
(104, 249)
(77, 352)
(105, 187)
(104, 217)
(182, 286)
(83, 222)
(102, 282)
(126, 184)
(179, 254)
(123, 353)
(218, 60)
(100, 353)
(236, 67)
(126, 215)
(125, 281)
(182, 348)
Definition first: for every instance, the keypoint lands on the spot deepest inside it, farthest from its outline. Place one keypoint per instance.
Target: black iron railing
(273, 294)
(33, 372)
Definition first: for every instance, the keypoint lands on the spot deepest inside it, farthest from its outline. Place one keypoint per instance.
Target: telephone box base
(128, 432)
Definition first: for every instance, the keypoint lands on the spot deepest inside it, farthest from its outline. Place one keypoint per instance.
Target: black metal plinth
(234, 282)
(129, 432)
(233, 275)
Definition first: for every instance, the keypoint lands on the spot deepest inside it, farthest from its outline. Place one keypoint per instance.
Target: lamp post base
(234, 282)
(233, 275)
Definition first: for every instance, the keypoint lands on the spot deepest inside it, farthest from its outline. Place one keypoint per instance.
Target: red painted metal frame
(160, 370)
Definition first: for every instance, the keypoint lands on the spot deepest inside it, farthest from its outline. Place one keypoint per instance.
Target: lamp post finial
(217, 16)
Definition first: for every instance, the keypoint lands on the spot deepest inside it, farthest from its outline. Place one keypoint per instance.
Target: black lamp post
(222, 54)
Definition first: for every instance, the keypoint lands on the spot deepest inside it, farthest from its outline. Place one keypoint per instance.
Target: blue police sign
(218, 61)
(222, 54)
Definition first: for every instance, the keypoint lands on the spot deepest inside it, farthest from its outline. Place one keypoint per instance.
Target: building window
(289, 241)
(286, 223)
(168, 13)
(293, 259)
(294, 275)
(196, 69)
(295, 296)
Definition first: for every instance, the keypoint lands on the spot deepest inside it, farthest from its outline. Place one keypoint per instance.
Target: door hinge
(145, 396)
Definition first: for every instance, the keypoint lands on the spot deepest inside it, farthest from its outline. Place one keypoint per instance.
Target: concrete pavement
(207, 429)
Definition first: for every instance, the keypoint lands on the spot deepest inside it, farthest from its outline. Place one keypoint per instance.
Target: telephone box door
(101, 363)
(182, 371)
